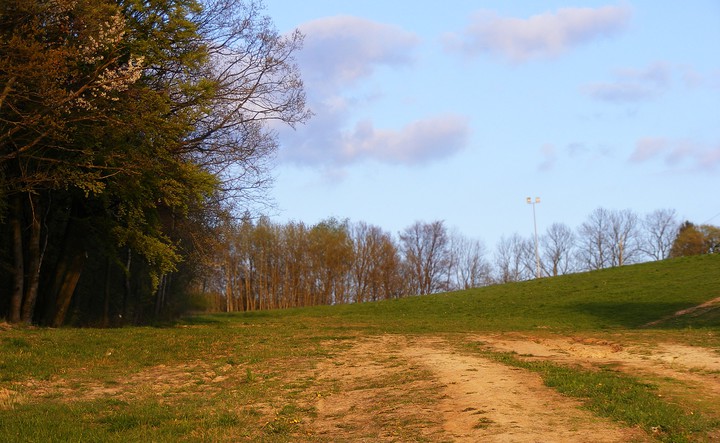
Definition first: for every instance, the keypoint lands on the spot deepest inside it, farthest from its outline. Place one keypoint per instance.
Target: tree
(376, 268)
(425, 250)
(608, 238)
(558, 245)
(623, 236)
(695, 240)
(660, 228)
(712, 238)
(470, 269)
(63, 70)
(298, 282)
(124, 123)
(331, 255)
(593, 242)
(514, 259)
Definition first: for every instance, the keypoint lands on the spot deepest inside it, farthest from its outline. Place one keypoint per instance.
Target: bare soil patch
(448, 396)
(396, 388)
(697, 368)
(161, 382)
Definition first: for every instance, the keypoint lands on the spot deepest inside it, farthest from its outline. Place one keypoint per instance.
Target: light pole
(537, 252)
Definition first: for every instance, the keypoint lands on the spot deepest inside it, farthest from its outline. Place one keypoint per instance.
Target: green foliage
(119, 124)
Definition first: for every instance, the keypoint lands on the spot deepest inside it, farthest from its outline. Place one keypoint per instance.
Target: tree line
(266, 265)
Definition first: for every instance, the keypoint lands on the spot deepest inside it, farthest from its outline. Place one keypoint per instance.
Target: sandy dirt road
(397, 388)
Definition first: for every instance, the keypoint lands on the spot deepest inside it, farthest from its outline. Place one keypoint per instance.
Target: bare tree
(593, 242)
(558, 245)
(623, 235)
(376, 268)
(469, 268)
(609, 238)
(426, 251)
(660, 228)
(514, 259)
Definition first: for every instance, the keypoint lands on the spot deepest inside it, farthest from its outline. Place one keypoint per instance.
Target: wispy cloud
(678, 153)
(632, 85)
(340, 55)
(549, 157)
(695, 79)
(544, 35)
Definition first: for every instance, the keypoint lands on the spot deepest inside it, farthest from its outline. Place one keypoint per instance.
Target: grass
(619, 396)
(230, 377)
(611, 299)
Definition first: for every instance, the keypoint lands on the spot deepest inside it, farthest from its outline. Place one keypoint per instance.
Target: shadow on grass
(222, 318)
(631, 314)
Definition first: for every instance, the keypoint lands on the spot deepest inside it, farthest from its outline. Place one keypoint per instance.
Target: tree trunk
(67, 286)
(128, 284)
(34, 264)
(106, 301)
(18, 260)
(68, 268)
(161, 292)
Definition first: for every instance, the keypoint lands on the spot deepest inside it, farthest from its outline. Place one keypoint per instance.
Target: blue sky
(459, 110)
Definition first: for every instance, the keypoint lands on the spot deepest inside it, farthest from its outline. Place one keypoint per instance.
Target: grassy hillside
(241, 375)
(617, 298)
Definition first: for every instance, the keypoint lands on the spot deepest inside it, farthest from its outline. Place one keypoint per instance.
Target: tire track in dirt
(446, 396)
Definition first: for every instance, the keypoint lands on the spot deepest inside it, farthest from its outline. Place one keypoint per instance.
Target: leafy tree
(695, 240)
(331, 255)
(125, 128)
(63, 72)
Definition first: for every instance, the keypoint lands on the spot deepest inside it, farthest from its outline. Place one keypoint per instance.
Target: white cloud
(632, 85)
(417, 143)
(544, 35)
(340, 54)
(340, 51)
(677, 153)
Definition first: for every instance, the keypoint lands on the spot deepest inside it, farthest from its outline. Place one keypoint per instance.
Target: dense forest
(129, 130)
(135, 146)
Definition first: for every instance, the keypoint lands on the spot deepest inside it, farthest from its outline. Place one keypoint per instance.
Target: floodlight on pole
(532, 202)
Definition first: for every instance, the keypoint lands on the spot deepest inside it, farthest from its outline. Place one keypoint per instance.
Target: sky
(460, 110)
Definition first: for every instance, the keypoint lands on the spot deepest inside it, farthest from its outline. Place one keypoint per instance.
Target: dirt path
(697, 368)
(692, 312)
(395, 388)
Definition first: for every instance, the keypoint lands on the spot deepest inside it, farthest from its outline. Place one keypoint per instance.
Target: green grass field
(246, 376)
